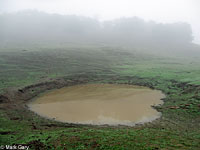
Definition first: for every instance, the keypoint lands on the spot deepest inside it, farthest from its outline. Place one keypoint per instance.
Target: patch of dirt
(37, 144)
(17, 96)
(6, 132)
(16, 99)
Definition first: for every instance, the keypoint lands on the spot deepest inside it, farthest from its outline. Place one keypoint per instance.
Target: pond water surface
(98, 104)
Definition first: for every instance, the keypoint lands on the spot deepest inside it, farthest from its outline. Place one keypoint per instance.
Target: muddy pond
(98, 104)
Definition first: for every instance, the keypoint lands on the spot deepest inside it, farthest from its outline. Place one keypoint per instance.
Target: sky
(164, 11)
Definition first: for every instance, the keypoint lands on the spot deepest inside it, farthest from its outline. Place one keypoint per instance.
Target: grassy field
(177, 75)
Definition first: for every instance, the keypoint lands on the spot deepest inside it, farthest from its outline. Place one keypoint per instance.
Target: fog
(161, 11)
(149, 25)
(28, 27)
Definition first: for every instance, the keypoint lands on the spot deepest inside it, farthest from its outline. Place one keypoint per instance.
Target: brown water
(99, 104)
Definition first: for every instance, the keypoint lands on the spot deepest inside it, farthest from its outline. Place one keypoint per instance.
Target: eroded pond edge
(17, 99)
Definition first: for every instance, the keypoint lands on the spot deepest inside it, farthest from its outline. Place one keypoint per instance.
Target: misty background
(34, 27)
(121, 23)
(161, 11)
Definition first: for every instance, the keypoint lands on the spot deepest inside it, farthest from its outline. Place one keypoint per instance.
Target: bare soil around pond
(17, 99)
(175, 126)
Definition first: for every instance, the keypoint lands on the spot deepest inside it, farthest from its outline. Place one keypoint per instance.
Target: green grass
(177, 76)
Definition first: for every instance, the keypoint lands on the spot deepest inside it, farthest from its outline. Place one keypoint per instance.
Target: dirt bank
(17, 98)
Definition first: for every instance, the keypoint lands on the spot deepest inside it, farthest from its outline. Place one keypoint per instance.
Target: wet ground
(113, 104)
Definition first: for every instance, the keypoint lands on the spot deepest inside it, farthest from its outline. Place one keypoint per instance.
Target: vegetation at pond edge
(176, 74)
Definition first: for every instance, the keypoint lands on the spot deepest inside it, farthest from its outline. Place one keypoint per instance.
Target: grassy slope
(178, 129)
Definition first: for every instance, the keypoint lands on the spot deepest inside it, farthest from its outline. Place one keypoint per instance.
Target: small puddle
(98, 104)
